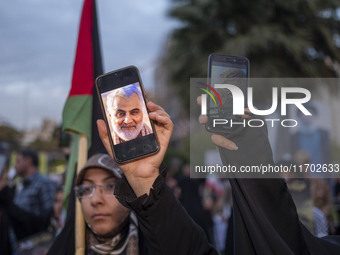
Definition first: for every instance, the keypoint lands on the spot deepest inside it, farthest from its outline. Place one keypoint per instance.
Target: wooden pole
(80, 222)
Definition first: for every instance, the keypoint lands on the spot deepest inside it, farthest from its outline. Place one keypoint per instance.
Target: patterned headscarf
(123, 243)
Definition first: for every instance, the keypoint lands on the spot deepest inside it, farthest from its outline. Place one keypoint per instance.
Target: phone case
(121, 87)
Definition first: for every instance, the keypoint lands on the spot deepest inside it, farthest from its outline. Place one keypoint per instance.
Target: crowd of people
(209, 201)
(142, 208)
(29, 207)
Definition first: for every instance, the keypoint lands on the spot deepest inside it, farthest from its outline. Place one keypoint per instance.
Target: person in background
(337, 204)
(57, 219)
(5, 244)
(321, 197)
(29, 209)
(312, 138)
(191, 199)
(218, 200)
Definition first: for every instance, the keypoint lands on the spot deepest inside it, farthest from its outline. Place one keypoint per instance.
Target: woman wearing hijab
(143, 216)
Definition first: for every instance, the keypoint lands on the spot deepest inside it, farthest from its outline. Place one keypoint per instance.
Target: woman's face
(102, 211)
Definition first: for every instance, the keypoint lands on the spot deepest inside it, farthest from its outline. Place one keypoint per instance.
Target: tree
(282, 38)
(47, 145)
(10, 136)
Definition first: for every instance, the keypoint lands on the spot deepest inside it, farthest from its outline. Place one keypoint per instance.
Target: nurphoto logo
(238, 104)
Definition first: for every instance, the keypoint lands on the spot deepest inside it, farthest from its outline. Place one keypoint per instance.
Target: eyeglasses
(88, 191)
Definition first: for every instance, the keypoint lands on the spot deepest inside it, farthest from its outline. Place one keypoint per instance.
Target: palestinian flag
(82, 108)
(87, 66)
(80, 113)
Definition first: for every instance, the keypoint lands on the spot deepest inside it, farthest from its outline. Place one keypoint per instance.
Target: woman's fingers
(217, 139)
(154, 107)
(199, 100)
(221, 141)
(203, 119)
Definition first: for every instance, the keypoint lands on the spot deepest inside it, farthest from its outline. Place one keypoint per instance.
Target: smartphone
(122, 97)
(226, 69)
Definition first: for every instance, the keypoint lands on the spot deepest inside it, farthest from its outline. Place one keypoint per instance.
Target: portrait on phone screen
(126, 113)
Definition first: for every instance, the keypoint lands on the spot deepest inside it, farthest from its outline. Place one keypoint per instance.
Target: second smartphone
(132, 134)
(226, 69)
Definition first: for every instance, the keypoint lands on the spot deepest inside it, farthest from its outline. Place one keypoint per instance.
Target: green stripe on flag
(77, 115)
(71, 168)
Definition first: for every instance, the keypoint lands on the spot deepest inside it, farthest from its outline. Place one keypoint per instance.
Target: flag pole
(80, 222)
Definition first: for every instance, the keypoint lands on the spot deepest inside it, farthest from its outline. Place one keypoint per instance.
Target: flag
(82, 106)
(80, 113)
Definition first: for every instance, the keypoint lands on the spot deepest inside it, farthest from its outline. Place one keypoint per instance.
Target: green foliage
(282, 38)
(47, 146)
(11, 136)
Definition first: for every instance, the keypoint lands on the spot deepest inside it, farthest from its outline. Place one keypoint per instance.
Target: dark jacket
(23, 223)
(265, 220)
(5, 244)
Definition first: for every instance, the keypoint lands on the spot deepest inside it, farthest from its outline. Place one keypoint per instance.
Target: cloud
(38, 41)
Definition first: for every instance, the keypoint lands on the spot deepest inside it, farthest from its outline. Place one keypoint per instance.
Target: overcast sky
(38, 40)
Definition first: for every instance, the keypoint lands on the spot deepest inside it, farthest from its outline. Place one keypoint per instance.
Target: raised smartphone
(225, 69)
(132, 134)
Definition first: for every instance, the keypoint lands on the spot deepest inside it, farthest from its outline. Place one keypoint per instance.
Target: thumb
(104, 136)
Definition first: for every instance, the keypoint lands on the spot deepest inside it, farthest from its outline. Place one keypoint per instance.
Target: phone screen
(131, 131)
(225, 69)
(126, 113)
(222, 71)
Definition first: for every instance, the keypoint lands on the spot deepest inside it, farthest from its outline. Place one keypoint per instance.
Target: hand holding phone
(141, 152)
(132, 134)
(142, 172)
